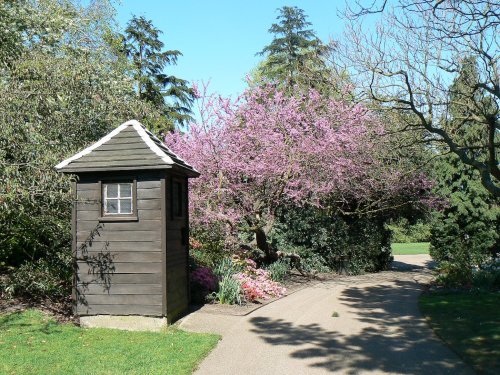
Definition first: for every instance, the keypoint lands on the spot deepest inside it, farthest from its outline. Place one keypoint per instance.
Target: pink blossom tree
(267, 149)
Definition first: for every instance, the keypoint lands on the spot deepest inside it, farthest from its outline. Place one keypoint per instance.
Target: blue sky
(219, 38)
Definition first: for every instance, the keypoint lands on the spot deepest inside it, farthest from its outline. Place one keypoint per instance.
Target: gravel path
(376, 328)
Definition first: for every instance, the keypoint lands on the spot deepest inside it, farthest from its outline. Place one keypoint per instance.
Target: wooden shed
(130, 225)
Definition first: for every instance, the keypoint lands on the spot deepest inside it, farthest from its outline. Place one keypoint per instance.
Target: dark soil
(60, 310)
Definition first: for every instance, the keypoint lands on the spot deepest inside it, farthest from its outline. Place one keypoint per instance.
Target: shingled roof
(129, 147)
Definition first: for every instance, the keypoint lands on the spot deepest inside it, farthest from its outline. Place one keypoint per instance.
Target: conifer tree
(295, 56)
(171, 95)
(466, 233)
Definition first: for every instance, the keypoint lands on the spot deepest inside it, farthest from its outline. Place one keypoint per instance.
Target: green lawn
(469, 322)
(32, 343)
(410, 248)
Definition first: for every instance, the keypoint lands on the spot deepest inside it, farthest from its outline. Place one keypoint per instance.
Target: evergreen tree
(171, 95)
(295, 56)
(466, 233)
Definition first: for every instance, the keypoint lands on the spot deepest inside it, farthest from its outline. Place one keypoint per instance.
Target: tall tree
(407, 63)
(295, 56)
(61, 89)
(466, 232)
(171, 95)
(271, 149)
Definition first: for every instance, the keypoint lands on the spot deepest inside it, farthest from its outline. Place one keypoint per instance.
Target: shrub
(403, 231)
(452, 275)
(240, 280)
(279, 270)
(311, 262)
(203, 282)
(229, 291)
(465, 234)
(39, 280)
(256, 283)
(488, 279)
(259, 286)
(208, 245)
(204, 277)
(350, 244)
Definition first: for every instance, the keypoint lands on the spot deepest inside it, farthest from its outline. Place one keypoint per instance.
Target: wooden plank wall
(125, 149)
(134, 249)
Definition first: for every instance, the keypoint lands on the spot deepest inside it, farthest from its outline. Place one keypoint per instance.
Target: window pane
(111, 190)
(112, 206)
(126, 206)
(125, 190)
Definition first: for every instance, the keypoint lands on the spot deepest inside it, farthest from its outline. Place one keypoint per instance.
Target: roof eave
(191, 173)
(111, 169)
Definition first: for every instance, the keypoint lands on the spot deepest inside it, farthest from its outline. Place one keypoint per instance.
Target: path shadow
(393, 337)
(399, 265)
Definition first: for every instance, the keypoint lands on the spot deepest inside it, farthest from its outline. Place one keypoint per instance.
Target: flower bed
(234, 281)
(257, 284)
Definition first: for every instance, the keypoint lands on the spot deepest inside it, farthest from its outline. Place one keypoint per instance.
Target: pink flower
(257, 284)
(204, 277)
(266, 149)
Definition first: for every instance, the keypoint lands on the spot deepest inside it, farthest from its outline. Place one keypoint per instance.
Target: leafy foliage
(203, 282)
(295, 56)
(208, 245)
(169, 94)
(331, 242)
(279, 270)
(256, 283)
(229, 291)
(62, 90)
(487, 278)
(269, 150)
(404, 232)
(465, 234)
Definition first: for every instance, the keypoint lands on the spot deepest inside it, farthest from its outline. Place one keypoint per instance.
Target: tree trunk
(262, 244)
(271, 255)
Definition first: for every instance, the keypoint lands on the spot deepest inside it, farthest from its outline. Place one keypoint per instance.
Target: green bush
(488, 279)
(405, 232)
(279, 270)
(343, 244)
(311, 262)
(466, 232)
(38, 280)
(454, 275)
(229, 291)
(208, 245)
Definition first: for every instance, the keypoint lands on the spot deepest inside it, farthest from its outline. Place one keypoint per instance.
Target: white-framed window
(118, 198)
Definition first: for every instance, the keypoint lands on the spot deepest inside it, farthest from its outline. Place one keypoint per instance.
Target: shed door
(177, 247)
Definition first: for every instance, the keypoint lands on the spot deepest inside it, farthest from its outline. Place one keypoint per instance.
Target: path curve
(379, 330)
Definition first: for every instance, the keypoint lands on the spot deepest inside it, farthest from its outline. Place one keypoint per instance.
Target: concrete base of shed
(128, 323)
